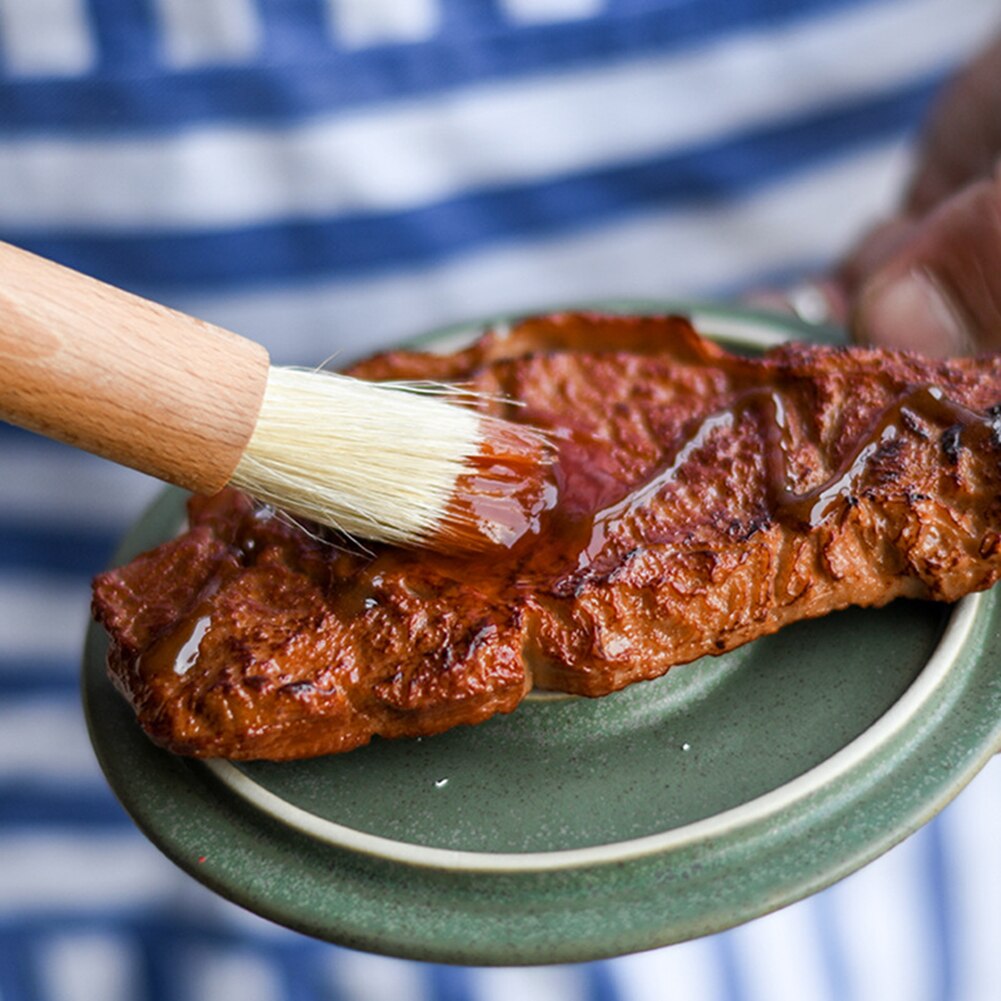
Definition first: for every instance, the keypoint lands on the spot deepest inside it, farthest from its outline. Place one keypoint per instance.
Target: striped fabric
(327, 176)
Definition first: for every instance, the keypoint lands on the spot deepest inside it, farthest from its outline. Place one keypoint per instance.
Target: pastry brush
(201, 407)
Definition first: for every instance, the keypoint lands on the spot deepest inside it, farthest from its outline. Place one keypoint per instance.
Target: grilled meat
(700, 499)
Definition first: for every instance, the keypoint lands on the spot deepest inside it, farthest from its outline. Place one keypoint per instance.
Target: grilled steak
(699, 500)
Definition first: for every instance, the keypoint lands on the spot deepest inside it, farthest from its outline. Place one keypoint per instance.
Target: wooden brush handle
(109, 372)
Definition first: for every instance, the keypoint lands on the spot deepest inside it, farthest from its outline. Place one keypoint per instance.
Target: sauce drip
(909, 413)
(178, 650)
(604, 521)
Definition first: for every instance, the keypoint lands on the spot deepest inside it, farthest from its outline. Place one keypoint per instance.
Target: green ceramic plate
(575, 829)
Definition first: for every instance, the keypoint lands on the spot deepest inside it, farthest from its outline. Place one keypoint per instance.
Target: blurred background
(328, 177)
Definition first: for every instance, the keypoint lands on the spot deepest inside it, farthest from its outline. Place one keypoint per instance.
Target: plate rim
(959, 624)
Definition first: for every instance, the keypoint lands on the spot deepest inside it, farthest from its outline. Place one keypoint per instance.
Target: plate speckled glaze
(575, 829)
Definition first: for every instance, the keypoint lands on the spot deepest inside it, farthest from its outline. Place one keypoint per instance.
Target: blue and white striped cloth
(327, 176)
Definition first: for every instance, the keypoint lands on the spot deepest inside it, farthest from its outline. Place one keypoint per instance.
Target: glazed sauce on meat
(504, 494)
(910, 413)
(582, 530)
(546, 526)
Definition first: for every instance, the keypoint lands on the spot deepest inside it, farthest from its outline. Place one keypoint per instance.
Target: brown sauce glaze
(909, 413)
(503, 496)
(560, 522)
(911, 410)
(578, 528)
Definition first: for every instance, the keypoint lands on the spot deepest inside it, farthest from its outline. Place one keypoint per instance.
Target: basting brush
(201, 407)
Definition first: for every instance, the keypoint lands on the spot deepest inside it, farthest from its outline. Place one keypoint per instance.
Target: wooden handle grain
(109, 372)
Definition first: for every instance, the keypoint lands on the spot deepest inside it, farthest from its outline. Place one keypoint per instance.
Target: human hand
(929, 279)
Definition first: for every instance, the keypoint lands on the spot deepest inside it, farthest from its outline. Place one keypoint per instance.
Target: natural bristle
(385, 461)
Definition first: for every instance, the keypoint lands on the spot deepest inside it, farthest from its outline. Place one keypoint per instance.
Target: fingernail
(911, 313)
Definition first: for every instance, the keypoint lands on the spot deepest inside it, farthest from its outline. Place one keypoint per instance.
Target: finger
(940, 292)
(962, 138)
(871, 252)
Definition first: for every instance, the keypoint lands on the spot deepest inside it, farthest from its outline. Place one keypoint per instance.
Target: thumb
(939, 293)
